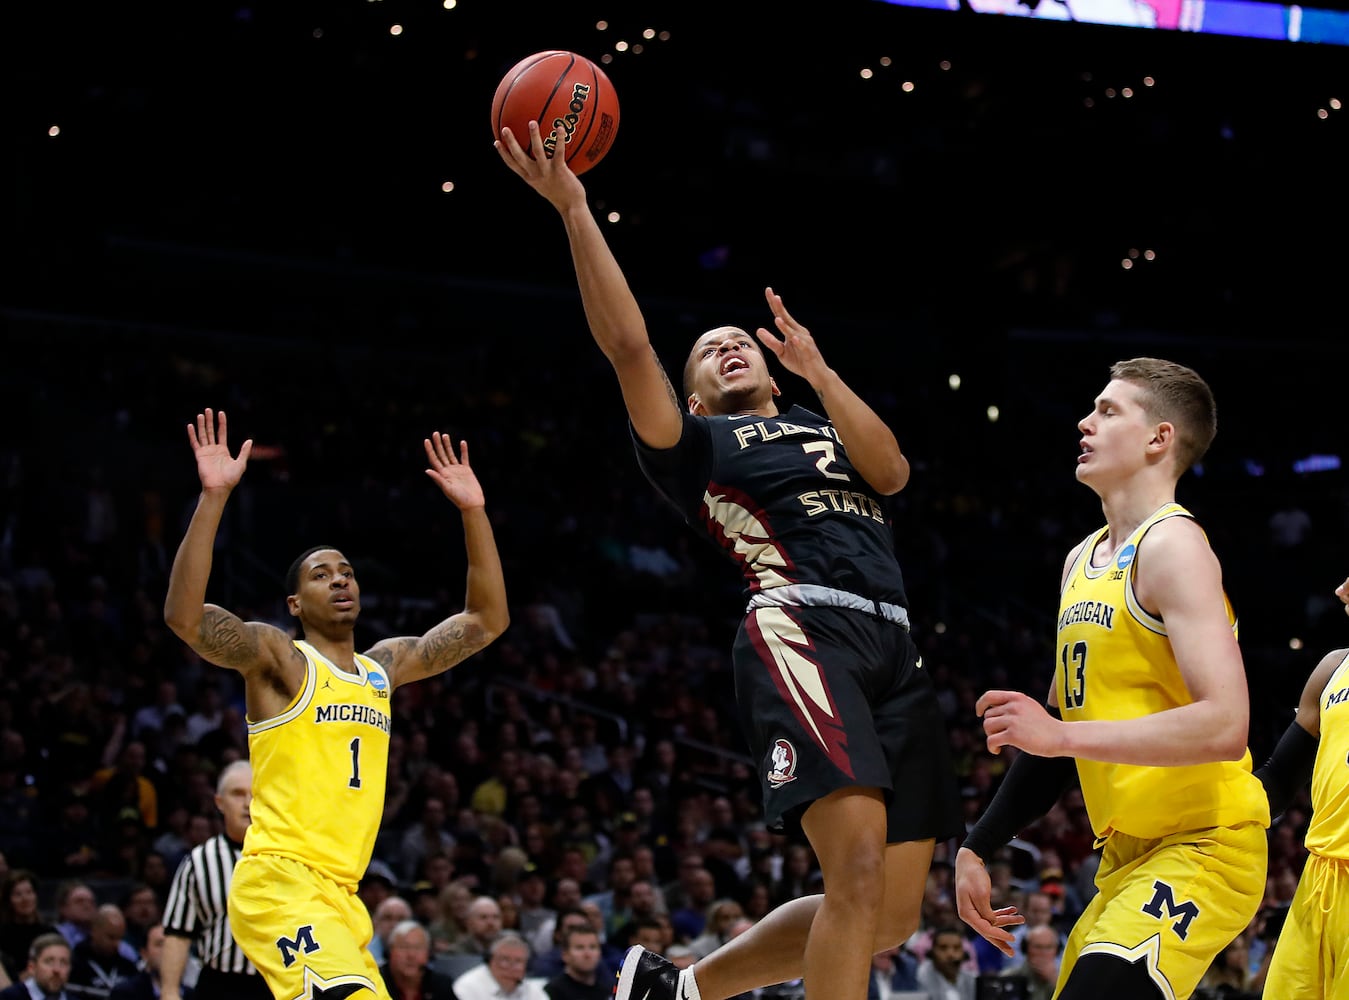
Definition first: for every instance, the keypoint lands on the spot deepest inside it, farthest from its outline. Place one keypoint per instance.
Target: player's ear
(773, 384)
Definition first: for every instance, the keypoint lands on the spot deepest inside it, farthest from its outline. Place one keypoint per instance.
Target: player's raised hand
(210, 443)
(452, 474)
(793, 345)
(550, 176)
(1342, 592)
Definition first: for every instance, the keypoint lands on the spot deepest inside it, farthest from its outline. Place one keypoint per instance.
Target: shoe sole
(627, 972)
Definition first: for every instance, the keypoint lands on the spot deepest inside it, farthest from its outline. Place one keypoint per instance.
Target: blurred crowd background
(281, 216)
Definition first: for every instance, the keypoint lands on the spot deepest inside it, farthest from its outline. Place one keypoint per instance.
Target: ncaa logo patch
(1126, 556)
(783, 767)
(379, 683)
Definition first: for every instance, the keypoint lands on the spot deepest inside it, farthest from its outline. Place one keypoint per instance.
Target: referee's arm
(172, 962)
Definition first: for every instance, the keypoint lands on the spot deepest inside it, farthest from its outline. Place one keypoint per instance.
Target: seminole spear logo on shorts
(784, 764)
(580, 93)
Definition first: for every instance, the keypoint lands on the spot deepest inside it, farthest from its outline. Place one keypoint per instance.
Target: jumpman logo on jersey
(328, 683)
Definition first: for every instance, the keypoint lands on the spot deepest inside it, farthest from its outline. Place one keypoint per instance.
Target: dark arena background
(292, 211)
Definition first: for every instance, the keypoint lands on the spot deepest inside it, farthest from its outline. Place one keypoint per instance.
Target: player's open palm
(210, 443)
(452, 473)
(793, 345)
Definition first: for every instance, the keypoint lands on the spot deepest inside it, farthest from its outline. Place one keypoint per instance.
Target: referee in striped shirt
(196, 912)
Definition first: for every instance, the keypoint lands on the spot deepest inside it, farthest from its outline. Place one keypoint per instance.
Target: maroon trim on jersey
(717, 530)
(823, 727)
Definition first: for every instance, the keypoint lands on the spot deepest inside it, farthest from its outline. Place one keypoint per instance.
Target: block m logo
(1164, 901)
(304, 941)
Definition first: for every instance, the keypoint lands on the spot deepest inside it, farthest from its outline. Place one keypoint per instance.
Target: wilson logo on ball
(579, 93)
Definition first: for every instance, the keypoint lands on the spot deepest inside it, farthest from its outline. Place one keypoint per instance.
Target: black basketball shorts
(832, 698)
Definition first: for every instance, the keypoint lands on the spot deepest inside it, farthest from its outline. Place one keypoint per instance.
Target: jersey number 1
(355, 781)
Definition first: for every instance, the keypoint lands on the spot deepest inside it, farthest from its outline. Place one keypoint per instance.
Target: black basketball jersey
(779, 496)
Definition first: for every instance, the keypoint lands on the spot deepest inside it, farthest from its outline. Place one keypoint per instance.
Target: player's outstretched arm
(612, 312)
(216, 635)
(872, 447)
(485, 615)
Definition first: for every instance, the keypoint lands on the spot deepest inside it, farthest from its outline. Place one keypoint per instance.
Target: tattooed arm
(252, 648)
(485, 615)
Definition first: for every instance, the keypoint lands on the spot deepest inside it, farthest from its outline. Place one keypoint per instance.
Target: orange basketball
(571, 99)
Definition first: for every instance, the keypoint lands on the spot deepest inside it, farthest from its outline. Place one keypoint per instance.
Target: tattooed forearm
(224, 640)
(669, 388)
(451, 641)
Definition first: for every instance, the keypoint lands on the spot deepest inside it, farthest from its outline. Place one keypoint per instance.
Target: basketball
(571, 99)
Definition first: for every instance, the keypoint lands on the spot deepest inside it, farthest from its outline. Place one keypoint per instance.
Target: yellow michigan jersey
(1115, 662)
(1328, 833)
(319, 770)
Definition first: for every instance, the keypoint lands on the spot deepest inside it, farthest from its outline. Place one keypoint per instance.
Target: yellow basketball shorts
(303, 931)
(1311, 957)
(1172, 903)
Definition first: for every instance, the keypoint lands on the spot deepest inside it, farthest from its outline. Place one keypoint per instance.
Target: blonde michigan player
(1311, 957)
(318, 730)
(1149, 698)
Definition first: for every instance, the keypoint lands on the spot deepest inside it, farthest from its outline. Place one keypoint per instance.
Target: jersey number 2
(1074, 674)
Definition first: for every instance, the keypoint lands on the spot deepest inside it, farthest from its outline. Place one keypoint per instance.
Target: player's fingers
(206, 426)
(444, 448)
(536, 144)
(222, 430)
(463, 452)
(770, 341)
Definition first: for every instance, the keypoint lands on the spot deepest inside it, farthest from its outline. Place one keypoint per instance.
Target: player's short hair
(293, 574)
(1177, 395)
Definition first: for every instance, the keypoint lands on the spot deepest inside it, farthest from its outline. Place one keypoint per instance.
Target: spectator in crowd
(893, 970)
(580, 978)
(482, 922)
(141, 908)
(46, 971)
(126, 786)
(145, 984)
(943, 973)
(388, 915)
(425, 837)
(721, 915)
(537, 918)
(76, 905)
(405, 971)
(1039, 966)
(97, 963)
(548, 963)
(450, 926)
(20, 921)
(502, 976)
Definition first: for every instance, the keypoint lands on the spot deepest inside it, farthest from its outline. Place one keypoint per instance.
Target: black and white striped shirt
(198, 901)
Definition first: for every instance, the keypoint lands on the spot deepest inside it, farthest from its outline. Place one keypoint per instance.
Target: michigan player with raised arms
(1311, 956)
(318, 723)
(840, 718)
(1150, 700)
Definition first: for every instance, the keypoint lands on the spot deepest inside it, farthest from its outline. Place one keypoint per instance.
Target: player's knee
(856, 880)
(896, 925)
(1108, 977)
